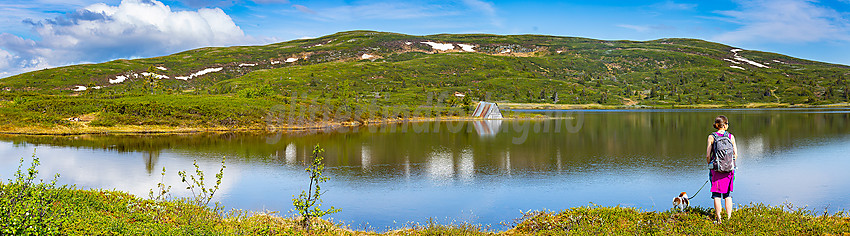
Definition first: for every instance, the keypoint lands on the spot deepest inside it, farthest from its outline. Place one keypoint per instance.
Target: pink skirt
(722, 182)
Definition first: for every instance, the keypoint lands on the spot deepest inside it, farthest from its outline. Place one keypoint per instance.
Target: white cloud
(638, 28)
(670, 5)
(134, 28)
(228, 3)
(304, 9)
(390, 10)
(5, 62)
(271, 1)
(787, 21)
(383, 10)
(485, 7)
(647, 28)
(402, 10)
(482, 6)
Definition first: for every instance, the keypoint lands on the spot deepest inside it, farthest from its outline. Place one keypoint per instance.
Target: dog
(681, 202)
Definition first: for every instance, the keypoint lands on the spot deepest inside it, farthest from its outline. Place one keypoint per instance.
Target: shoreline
(159, 129)
(83, 211)
(83, 128)
(594, 106)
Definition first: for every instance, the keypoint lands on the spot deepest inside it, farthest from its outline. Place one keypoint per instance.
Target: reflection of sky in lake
(815, 175)
(87, 168)
(627, 158)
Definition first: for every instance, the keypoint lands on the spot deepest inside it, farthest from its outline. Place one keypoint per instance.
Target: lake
(482, 172)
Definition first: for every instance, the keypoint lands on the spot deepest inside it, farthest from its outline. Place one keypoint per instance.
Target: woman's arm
(708, 149)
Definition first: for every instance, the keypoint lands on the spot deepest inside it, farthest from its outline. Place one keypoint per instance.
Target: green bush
(308, 202)
(20, 101)
(28, 207)
(254, 92)
(103, 122)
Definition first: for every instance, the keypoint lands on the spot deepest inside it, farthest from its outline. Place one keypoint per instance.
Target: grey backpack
(722, 153)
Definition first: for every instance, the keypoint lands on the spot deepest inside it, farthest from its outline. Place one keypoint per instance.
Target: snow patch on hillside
(467, 47)
(291, 59)
(730, 60)
(247, 64)
(506, 51)
(740, 58)
(366, 56)
(440, 46)
(737, 67)
(79, 88)
(275, 62)
(118, 79)
(200, 73)
(161, 68)
(155, 75)
(751, 62)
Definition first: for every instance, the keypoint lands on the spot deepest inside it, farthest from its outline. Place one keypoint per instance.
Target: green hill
(360, 75)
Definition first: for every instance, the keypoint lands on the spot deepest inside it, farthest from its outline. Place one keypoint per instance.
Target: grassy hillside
(360, 75)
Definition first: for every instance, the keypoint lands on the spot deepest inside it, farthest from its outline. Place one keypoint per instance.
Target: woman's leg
(728, 207)
(717, 208)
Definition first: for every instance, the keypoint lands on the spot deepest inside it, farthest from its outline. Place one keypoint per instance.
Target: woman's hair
(720, 121)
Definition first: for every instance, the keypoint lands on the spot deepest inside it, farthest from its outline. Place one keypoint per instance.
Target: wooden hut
(487, 110)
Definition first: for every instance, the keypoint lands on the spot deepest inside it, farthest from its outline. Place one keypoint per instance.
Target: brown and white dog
(681, 202)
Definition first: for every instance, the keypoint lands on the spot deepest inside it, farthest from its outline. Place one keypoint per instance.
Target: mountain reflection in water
(481, 171)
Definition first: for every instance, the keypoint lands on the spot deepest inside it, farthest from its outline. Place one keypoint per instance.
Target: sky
(39, 34)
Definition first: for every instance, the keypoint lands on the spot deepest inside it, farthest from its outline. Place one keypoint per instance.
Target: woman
(721, 182)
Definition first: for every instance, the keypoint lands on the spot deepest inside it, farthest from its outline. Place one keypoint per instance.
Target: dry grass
(82, 127)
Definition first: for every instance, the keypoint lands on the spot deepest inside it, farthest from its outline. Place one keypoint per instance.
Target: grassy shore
(99, 212)
(550, 106)
(84, 127)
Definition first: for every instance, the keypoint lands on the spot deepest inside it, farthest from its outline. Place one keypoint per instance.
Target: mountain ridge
(333, 77)
(305, 44)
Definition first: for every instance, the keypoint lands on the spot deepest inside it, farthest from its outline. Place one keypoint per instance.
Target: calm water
(476, 171)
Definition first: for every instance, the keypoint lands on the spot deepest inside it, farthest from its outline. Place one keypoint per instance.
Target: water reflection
(466, 167)
(487, 128)
(151, 158)
(575, 140)
(434, 169)
(541, 144)
(365, 158)
(440, 167)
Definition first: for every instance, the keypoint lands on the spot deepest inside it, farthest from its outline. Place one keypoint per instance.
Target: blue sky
(41, 34)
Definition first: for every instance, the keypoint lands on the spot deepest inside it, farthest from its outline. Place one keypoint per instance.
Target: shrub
(254, 92)
(102, 122)
(307, 204)
(201, 195)
(30, 208)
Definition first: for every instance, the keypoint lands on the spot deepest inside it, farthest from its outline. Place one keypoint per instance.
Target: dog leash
(700, 189)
